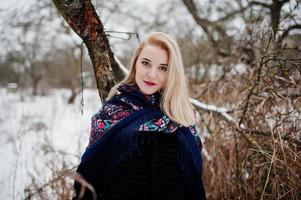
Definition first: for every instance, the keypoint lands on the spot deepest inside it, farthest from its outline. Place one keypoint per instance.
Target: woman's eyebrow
(146, 59)
(166, 65)
(151, 61)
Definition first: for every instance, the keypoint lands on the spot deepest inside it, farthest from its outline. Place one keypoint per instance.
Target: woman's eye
(144, 63)
(163, 68)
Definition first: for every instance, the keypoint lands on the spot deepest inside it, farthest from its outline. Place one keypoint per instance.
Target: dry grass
(259, 156)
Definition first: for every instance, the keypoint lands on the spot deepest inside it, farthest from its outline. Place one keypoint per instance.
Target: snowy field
(34, 131)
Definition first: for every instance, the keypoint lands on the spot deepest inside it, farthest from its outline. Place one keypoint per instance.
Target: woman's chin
(147, 91)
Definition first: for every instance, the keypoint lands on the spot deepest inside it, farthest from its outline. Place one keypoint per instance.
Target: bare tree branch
(258, 3)
(275, 13)
(283, 1)
(212, 108)
(232, 14)
(205, 24)
(286, 32)
(83, 19)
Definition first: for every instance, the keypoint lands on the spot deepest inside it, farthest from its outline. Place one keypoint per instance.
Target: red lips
(148, 83)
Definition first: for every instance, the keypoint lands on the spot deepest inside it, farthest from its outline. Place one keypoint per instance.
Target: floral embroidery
(163, 124)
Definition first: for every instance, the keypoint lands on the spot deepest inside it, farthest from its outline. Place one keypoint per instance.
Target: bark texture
(83, 19)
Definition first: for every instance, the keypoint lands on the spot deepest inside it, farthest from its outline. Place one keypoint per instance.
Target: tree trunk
(275, 15)
(83, 19)
(35, 79)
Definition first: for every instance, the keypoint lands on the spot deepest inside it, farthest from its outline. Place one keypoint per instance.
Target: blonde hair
(175, 102)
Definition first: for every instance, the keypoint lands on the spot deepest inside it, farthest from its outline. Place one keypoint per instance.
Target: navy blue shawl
(120, 142)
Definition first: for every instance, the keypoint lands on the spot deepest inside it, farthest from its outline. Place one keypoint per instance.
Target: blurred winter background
(241, 56)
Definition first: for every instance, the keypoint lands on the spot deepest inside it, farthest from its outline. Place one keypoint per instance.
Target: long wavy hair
(175, 98)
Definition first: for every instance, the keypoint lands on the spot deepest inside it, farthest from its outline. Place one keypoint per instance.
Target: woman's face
(151, 69)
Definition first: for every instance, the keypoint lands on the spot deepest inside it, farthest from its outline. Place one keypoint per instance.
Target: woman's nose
(152, 72)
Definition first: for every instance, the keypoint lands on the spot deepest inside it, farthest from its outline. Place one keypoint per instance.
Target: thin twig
(81, 77)
(262, 63)
(268, 176)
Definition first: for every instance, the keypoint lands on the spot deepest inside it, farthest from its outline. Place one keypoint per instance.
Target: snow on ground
(29, 124)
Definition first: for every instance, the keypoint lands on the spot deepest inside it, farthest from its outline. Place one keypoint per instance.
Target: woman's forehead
(154, 54)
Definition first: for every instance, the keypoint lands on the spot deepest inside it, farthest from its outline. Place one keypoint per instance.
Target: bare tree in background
(83, 19)
(256, 154)
(26, 53)
(250, 12)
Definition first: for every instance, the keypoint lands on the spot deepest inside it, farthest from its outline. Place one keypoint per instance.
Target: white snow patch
(239, 68)
(28, 123)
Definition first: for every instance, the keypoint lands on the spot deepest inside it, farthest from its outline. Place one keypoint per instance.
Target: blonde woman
(143, 142)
